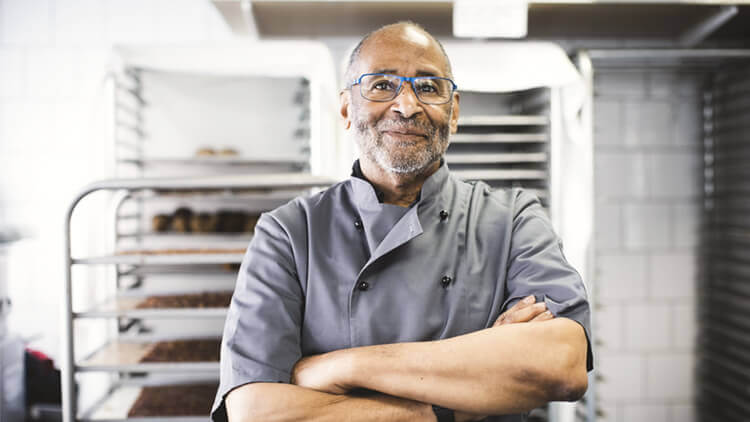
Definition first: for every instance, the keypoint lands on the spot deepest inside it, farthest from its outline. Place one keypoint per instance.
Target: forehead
(406, 51)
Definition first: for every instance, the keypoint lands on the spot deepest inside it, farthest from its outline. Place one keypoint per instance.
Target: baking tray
(126, 306)
(125, 355)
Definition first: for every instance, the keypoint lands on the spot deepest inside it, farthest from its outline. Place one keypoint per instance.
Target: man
(380, 298)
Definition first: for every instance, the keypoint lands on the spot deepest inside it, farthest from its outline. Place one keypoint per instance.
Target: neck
(398, 188)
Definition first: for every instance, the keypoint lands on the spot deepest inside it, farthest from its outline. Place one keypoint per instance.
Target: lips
(405, 133)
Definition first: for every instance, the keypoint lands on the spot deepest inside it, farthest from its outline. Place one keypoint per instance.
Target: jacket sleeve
(261, 340)
(537, 265)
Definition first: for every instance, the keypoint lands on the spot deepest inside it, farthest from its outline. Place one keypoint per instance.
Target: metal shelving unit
(220, 159)
(120, 356)
(503, 140)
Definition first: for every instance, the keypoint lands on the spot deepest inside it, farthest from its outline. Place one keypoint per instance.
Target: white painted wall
(54, 127)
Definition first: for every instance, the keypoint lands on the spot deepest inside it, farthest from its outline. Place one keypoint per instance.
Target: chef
(403, 293)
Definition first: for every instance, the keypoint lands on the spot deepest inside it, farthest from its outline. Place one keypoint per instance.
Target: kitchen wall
(54, 127)
(648, 164)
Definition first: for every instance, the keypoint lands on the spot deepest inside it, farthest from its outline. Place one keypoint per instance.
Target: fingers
(524, 311)
(544, 316)
(528, 300)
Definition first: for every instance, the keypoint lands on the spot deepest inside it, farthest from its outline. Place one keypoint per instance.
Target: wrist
(346, 365)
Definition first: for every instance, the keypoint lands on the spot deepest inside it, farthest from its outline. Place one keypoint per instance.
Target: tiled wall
(54, 126)
(647, 134)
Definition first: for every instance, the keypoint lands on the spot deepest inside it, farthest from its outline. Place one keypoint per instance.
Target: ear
(454, 113)
(344, 103)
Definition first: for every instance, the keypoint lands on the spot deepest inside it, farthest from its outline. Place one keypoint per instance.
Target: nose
(406, 102)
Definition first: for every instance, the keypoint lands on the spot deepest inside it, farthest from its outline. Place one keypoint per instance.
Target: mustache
(406, 125)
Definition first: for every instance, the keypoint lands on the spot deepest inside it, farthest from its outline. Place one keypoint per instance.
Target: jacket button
(443, 215)
(445, 281)
(358, 224)
(363, 285)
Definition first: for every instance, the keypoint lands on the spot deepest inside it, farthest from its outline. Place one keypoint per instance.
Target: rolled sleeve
(538, 267)
(261, 341)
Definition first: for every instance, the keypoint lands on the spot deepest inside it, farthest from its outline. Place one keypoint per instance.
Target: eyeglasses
(383, 87)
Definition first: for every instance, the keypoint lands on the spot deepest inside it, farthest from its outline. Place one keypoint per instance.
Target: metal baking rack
(503, 140)
(119, 357)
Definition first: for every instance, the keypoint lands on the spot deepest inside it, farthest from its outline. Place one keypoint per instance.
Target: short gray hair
(350, 77)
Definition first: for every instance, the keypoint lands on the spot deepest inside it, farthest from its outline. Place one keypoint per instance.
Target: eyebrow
(419, 72)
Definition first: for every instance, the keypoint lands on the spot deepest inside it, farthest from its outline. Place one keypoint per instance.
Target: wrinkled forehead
(406, 51)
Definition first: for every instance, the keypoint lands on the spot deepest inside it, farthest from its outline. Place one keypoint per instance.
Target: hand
(325, 372)
(524, 311)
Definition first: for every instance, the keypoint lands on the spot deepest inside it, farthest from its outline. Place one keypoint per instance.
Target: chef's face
(403, 135)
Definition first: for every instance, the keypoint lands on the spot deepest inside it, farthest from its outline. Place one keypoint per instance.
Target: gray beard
(372, 146)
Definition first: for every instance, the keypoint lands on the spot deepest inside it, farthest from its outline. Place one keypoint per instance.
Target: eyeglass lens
(385, 88)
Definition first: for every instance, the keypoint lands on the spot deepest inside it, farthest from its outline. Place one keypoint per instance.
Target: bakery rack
(119, 359)
(503, 140)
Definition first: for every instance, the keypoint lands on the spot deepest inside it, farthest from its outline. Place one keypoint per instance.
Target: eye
(427, 87)
(383, 85)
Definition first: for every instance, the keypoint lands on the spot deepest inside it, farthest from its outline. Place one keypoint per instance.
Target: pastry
(161, 223)
(205, 152)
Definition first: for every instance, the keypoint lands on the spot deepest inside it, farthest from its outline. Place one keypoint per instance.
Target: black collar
(357, 172)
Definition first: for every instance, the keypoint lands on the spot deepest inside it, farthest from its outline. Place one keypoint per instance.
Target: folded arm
(500, 370)
(271, 402)
(285, 402)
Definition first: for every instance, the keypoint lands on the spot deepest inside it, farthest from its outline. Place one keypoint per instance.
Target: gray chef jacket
(340, 269)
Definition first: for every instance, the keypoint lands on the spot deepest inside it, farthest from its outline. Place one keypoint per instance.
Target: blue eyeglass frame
(409, 79)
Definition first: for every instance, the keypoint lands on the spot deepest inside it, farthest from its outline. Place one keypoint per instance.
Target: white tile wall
(646, 226)
(623, 377)
(672, 275)
(682, 413)
(53, 123)
(25, 22)
(620, 174)
(607, 227)
(647, 327)
(647, 132)
(684, 327)
(669, 375)
(644, 412)
(621, 277)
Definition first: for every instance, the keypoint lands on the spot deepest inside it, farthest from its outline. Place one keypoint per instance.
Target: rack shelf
(511, 120)
(163, 259)
(127, 356)
(532, 157)
(501, 174)
(127, 306)
(215, 160)
(506, 138)
(116, 403)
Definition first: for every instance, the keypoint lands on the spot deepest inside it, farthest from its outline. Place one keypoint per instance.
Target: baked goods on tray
(184, 351)
(192, 300)
(174, 400)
